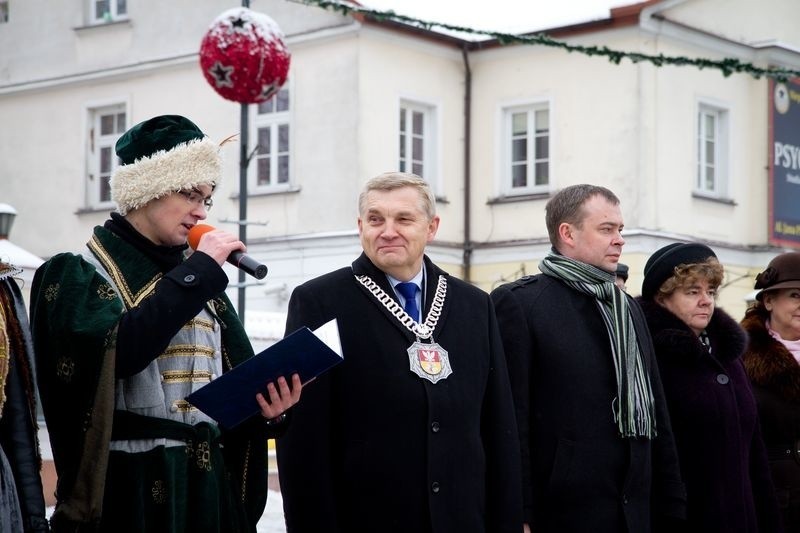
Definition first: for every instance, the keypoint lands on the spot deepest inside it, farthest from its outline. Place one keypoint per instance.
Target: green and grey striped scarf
(634, 408)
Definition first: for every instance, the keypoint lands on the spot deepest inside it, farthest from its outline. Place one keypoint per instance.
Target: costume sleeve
(146, 330)
(518, 349)
(306, 461)
(74, 314)
(501, 441)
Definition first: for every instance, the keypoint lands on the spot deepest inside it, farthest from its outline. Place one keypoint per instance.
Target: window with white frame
(417, 140)
(273, 150)
(526, 134)
(3, 11)
(712, 151)
(106, 124)
(103, 11)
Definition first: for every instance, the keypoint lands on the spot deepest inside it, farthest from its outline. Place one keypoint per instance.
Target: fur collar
(768, 363)
(674, 339)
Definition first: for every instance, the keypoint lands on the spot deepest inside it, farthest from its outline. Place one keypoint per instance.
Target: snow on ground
(272, 519)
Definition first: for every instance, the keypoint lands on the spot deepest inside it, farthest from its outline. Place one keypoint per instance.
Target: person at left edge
(22, 507)
(125, 330)
(414, 431)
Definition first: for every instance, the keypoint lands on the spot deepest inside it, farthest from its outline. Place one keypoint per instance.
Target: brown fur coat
(768, 363)
(775, 375)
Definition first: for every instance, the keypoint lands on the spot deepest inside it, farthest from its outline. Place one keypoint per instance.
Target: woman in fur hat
(771, 360)
(711, 405)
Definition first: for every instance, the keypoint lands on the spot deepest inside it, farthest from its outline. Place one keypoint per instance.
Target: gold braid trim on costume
(131, 300)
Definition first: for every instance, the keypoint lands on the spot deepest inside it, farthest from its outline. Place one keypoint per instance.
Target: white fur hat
(162, 155)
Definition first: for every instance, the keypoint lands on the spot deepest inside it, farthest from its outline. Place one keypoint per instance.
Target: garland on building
(726, 66)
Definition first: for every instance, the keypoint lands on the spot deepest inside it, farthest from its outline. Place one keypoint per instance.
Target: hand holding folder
(231, 398)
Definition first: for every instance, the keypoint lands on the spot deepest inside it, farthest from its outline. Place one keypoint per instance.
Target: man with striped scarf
(597, 447)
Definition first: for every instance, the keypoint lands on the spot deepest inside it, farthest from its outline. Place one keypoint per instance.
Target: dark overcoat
(775, 375)
(715, 422)
(579, 474)
(373, 447)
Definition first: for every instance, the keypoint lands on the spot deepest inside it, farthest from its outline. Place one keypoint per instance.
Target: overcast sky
(510, 16)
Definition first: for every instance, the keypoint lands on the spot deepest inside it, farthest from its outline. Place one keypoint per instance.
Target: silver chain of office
(422, 331)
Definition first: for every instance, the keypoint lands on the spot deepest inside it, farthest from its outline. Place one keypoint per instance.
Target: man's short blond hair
(389, 181)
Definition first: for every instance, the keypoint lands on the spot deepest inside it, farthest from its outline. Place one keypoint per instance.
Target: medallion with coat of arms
(429, 361)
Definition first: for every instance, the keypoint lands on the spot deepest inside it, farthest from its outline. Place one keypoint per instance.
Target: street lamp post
(244, 160)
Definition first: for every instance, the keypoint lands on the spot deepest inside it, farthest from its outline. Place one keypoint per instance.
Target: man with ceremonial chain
(415, 430)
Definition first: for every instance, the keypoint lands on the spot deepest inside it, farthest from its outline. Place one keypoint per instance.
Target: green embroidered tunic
(131, 454)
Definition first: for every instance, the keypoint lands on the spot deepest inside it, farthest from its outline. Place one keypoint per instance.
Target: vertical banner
(784, 163)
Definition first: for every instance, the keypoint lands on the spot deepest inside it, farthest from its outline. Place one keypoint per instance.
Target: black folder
(231, 398)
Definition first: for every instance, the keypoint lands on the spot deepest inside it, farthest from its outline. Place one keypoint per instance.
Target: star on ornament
(267, 90)
(221, 75)
(238, 23)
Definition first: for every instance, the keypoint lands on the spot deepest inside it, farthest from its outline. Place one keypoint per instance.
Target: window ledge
(716, 199)
(518, 198)
(118, 22)
(288, 190)
(89, 209)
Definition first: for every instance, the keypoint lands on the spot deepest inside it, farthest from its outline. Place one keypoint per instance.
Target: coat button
(722, 379)
(435, 487)
(189, 278)
(435, 427)
(624, 499)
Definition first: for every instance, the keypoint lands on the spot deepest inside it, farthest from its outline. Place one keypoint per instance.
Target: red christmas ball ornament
(243, 56)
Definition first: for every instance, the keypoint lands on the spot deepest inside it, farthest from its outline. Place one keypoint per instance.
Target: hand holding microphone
(237, 258)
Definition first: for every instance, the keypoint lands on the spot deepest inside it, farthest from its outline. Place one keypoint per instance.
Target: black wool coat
(775, 375)
(373, 447)
(579, 474)
(715, 422)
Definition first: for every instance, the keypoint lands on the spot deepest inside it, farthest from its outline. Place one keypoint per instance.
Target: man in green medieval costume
(129, 327)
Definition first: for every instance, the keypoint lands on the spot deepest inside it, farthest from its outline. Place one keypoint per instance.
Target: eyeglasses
(195, 197)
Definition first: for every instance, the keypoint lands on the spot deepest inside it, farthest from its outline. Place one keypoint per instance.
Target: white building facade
(495, 129)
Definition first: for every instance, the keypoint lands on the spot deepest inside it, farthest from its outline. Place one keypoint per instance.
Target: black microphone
(247, 263)
(237, 258)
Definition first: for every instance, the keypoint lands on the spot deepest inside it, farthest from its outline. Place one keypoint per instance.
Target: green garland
(727, 66)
